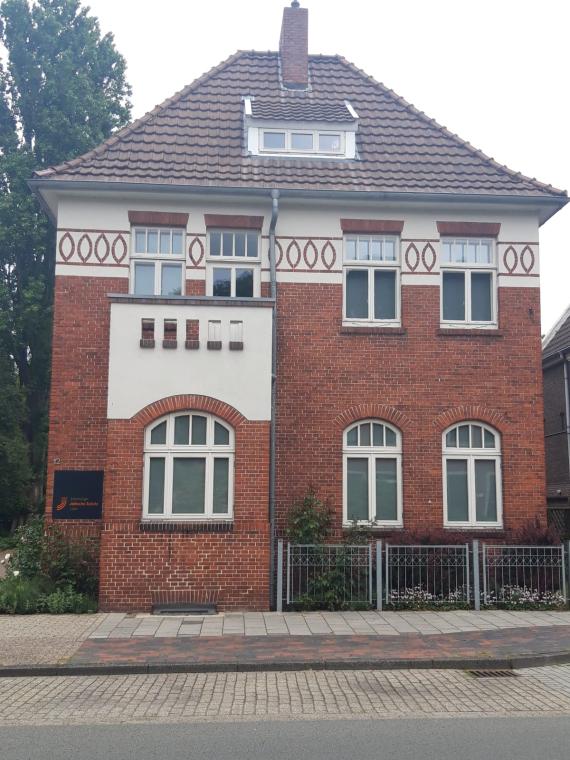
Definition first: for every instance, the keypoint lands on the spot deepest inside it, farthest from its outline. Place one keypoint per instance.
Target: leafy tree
(62, 91)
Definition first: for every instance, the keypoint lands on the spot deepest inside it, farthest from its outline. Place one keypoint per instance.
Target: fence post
(566, 587)
(379, 576)
(370, 586)
(288, 573)
(387, 575)
(485, 563)
(280, 575)
(476, 578)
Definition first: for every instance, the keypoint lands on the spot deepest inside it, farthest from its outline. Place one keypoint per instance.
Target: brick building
(286, 277)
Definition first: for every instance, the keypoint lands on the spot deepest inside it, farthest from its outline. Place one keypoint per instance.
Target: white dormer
(299, 129)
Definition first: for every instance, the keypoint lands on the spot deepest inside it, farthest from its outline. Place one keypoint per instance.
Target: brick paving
(180, 698)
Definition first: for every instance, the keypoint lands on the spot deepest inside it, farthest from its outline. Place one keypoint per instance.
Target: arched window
(372, 453)
(472, 476)
(188, 467)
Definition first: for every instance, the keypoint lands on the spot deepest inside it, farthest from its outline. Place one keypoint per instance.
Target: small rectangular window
(357, 294)
(144, 279)
(454, 296)
(274, 140)
(236, 331)
(457, 491)
(244, 283)
(171, 280)
(222, 282)
(357, 489)
(384, 294)
(468, 281)
(170, 330)
(481, 297)
(157, 276)
(329, 143)
(301, 141)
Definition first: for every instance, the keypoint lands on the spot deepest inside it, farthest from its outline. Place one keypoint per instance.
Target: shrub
(536, 534)
(22, 596)
(67, 600)
(308, 521)
(28, 541)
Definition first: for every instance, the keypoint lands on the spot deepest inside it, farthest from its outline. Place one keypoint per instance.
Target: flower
(7, 556)
(16, 573)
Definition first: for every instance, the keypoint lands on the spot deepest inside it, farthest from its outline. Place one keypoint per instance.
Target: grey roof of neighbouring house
(558, 339)
(196, 138)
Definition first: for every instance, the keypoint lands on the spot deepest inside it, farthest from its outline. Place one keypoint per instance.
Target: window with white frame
(472, 476)
(234, 263)
(157, 261)
(300, 141)
(188, 468)
(372, 454)
(371, 277)
(468, 282)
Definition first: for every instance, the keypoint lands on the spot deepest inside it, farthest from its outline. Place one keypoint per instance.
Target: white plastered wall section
(94, 236)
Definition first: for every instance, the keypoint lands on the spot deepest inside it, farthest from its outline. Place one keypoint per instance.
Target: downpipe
(272, 427)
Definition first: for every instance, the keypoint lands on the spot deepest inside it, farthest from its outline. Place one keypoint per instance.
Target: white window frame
(471, 455)
(468, 268)
(371, 454)
(157, 259)
(169, 451)
(371, 265)
(288, 131)
(234, 262)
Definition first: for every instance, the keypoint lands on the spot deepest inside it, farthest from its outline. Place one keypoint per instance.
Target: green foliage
(25, 596)
(308, 521)
(62, 91)
(67, 600)
(28, 543)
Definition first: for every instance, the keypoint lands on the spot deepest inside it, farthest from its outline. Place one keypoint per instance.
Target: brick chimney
(294, 47)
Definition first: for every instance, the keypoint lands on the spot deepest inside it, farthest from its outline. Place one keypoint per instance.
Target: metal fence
(421, 575)
(524, 575)
(341, 576)
(328, 574)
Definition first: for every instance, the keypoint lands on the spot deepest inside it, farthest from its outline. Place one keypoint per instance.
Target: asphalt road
(546, 738)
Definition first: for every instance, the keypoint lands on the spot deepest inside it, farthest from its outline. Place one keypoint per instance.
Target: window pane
(365, 435)
(252, 244)
(485, 491)
(329, 143)
(357, 294)
(390, 437)
(476, 437)
(215, 243)
(301, 141)
(198, 430)
(244, 283)
(451, 439)
(352, 437)
(165, 241)
(140, 241)
(188, 486)
(357, 489)
(470, 252)
(457, 251)
(363, 249)
(481, 296)
(221, 486)
(350, 249)
(144, 279)
(446, 252)
(489, 440)
(457, 499)
(156, 486)
(182, 430)
(227, 243)
(386, 490)
(152, 241)
(463, 431)
(389, 250)
(171, 279)
(222, 282)
(239, 244)
(177, 243)
(274, 140)
(158, 434)
(221, 435)
(484, 253)
(454, 295)
(376, 250)
(377, 435)
(384, 294)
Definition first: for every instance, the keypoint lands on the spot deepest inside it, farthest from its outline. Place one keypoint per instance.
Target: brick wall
(423, 380)
(557, 476)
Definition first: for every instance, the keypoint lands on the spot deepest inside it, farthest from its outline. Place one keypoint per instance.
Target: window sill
(479, 529)
(186, 526)
(470, 332)
(372, 330)
(374, 528)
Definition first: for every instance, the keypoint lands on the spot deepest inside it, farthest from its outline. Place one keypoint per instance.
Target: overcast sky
(496, 72)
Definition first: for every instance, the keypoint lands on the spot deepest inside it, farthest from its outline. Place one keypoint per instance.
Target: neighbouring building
(556, 375)
(286, 277)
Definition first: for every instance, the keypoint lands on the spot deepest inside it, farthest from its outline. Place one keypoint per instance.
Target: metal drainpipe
(567, 400)
(273, 292)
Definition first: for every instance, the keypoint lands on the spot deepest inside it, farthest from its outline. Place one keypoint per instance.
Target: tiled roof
(558, 339)
(197, 138)
(298, 110)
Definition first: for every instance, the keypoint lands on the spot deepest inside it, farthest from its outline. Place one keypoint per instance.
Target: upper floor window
(371, 277)
(157, 261)
(372, 453)
(468, 282)
(188, 467)
(302, 141)
(234, 264)
(472, 476)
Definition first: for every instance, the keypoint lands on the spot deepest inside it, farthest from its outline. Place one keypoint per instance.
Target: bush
(536, 534)
(66, 600)
(22, 596)
(28, 541)
(308, 521)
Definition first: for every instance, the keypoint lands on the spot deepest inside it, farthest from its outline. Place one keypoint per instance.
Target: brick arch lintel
(188, 402)
(372, 411)
(471, 412)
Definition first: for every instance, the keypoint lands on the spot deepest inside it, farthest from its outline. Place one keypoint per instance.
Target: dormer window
(296, 142)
